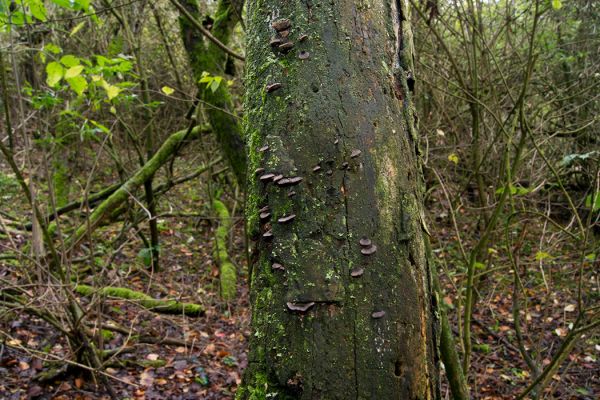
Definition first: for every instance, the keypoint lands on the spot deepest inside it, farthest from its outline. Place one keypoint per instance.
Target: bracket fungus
(285, 47)
(275, 42)
(286, 218)
(367, 251)
(266, 177)
(277, 266)
(365, 242)
(302, 307)
(273, 87)
(289, 181)
(281, 24)
(355, 153)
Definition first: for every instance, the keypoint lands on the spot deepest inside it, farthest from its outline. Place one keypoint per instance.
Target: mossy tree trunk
(341, 288)
(205, 56)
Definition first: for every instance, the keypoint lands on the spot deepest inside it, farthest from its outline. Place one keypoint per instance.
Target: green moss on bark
(228, 273)
(161, 306)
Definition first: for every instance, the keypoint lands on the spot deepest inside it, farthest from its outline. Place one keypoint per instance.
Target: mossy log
(228, 273)
(163, 306)
(119, 196)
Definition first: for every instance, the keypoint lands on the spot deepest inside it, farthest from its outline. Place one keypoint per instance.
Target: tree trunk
(205, 56)
(341, 287)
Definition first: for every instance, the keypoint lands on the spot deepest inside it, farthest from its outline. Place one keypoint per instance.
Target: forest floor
(209, 361)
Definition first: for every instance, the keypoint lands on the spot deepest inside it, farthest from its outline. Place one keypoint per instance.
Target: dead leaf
(147, 378)
(570, 308)
(79, 383)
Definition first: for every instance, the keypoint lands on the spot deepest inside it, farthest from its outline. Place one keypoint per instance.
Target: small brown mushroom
(291, 193)
(277, 178)
(316, 168)
(367, 251)
(356, 272)
(303, 37)
(268, 234)
(285, 33)
(336, 141)
(273, 87)
(286, 218)
(264, 148)
(304, 55)
(302, 307)
(281, 24)
(329, 172)
(378, 314)
(265, 208)
(258, 171)
(264, 215)
(355, 153)
(344, 165)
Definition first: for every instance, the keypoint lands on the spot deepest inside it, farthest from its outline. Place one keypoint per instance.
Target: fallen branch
(124, 191)
(157, 305)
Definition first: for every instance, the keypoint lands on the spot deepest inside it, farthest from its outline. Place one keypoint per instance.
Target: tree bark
(341, 288)
(205, 56)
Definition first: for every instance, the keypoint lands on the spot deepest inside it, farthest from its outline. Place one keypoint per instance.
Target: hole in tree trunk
(398, 369)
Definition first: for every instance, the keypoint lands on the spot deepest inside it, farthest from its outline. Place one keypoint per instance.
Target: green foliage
(212, 82)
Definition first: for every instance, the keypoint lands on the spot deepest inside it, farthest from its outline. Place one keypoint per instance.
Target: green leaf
(514, 190)
(556, 4)
(78, 84)
(74, 71)
(37, 9)
(111, 90)
(590, 257)
(52, 48)
(77, 28)
(145, 255)
(69, 60)
(82, 4)
(569, 159)
(55, 72)
(63, 3)
(588, 201)
(167, 90)
(453, 158)
(214, 85)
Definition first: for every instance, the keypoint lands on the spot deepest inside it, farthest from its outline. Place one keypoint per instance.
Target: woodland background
(123, 254)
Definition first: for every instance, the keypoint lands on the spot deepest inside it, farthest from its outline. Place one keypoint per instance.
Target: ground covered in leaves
(156, 356)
